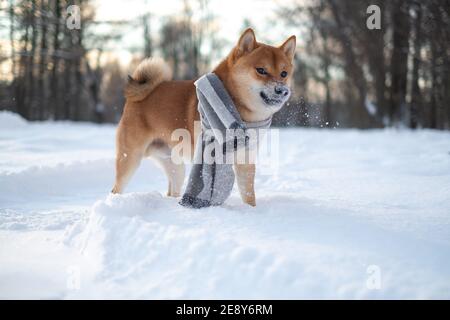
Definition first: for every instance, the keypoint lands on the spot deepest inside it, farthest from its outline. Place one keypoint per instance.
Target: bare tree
(416, 95)
(148, 45)
(399, 58)
(376, 63)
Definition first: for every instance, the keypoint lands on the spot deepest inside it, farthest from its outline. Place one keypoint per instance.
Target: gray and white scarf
(211, 180)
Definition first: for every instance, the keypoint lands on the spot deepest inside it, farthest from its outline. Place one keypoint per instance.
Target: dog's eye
(261, 71)
(284, 74)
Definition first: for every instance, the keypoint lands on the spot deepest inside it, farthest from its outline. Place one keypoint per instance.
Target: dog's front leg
(245, 176)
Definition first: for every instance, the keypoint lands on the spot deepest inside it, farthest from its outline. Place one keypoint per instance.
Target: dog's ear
(289, 46)
(247, 42)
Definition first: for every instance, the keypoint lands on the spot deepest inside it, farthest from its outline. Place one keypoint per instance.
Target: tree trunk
(42, 101)
(30, 102)
(55, 101)
(416, 95)
(354, 70)
(13, 54)
(433, 106)
(326, 69)
(373, 42)
(148, 47)
(21, 88)
(79, 108)
(399, 58)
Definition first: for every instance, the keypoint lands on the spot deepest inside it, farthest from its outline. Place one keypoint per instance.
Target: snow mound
(145, 245)
(11, 120)
(148, 242)
(53, 181)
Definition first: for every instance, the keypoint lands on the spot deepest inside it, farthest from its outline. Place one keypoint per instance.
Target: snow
(346, 209)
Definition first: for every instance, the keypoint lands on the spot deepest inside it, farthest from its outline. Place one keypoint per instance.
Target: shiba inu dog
(257, 77)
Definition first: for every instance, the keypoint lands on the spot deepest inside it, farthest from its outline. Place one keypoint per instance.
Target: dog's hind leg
(130, 149)
(174, 171)
(126, 165)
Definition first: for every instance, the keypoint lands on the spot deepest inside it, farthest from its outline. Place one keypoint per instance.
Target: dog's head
(260, 75)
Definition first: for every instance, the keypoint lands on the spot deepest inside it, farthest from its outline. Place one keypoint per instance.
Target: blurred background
(346, 74)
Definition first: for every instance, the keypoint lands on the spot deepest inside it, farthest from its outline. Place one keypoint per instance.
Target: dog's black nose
(281, 90)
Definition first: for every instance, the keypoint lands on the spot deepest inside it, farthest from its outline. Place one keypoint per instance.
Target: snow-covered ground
(349, 214)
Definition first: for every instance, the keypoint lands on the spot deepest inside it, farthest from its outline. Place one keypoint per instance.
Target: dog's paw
(251, 202)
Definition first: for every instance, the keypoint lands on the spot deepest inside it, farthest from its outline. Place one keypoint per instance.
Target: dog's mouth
(270, 101)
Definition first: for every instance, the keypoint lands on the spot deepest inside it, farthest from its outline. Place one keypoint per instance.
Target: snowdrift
(348, 214)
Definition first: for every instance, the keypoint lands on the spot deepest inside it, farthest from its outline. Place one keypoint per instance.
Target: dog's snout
(282, 90)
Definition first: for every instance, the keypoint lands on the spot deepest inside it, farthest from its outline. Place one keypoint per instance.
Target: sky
(230, 16)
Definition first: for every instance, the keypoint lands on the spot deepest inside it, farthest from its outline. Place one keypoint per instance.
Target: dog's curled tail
(147, 76)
